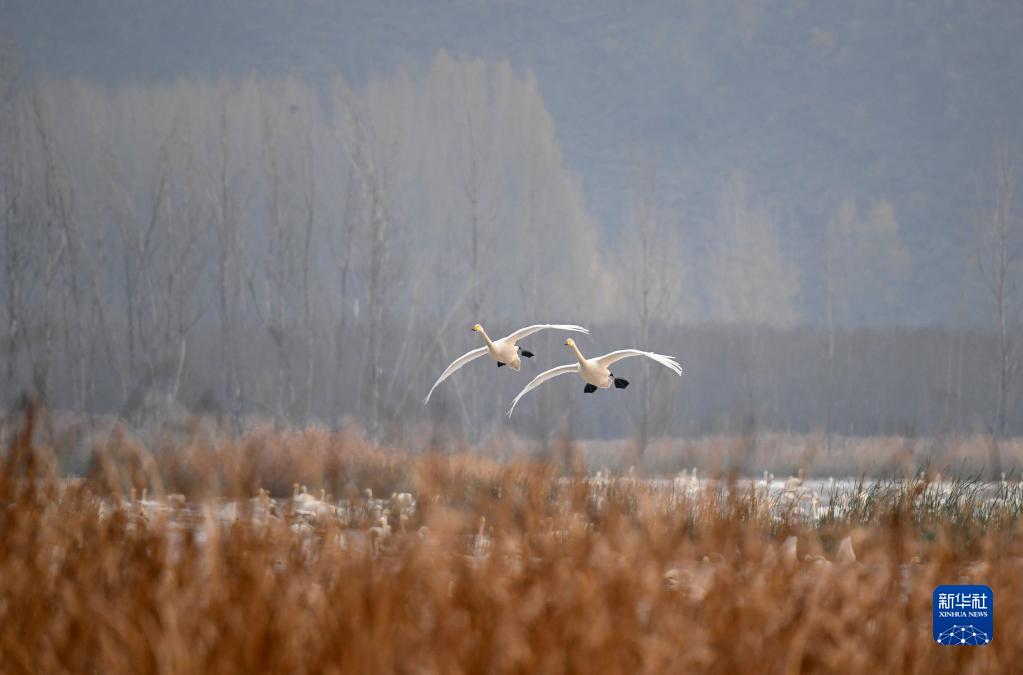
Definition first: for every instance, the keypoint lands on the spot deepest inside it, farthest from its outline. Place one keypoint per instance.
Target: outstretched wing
(455, 365)
(529, 330)
(666, 361)
(540, 379)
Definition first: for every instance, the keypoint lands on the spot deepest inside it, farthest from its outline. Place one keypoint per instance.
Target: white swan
(505, 351)
(596, 371)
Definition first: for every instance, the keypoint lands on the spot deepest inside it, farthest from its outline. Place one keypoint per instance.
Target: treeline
(266, 248)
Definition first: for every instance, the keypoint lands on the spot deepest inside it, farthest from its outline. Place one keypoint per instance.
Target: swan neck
(578, 354)
(486, 338)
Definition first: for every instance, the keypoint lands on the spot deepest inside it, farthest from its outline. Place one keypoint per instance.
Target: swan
(303, 498)
(596, 372)
(505, 351)
(378, 534)
(402, 502)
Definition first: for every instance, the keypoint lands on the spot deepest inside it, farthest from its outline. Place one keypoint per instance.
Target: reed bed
(484, 566)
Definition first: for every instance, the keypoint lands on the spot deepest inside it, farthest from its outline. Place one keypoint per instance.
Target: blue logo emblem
(964, 615)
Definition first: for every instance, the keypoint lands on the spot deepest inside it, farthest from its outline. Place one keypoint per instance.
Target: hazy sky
(818, 102)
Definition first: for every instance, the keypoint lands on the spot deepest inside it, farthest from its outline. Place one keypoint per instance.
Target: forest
(263, 248)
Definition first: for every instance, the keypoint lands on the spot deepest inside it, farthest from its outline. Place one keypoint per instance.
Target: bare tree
(753, 284)
(163, 260)
(373, 164)
(864, 260)
(229, 257)
(999, 258)
(651, 256)
(534, 292)
(182, 263)
(139, 236)
(344, 249)
(94, 259)
(12, 258)
(36, 248)
(475, 160)
(58, 195)
(308, 184)
(272, 278)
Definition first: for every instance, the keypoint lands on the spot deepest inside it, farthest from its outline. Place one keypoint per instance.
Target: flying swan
(505, 351)
(595, 372)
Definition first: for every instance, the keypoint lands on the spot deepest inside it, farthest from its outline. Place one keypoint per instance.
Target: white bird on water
(505, 351)
(596, 372)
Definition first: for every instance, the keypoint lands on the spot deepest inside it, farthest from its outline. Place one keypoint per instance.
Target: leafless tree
(273, 277)
(229, 250)
(308, 184)
(999, 258)
(12, 260)
(37, 248)
(753, 284)
(139, 230)
(372, 161)
(182, 262)
(343, 249)
(476, 164)
(113, 276)
(59, 197)
(864, 260)
(651, 257)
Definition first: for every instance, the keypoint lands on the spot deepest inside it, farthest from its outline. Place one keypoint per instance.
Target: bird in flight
(506, 351)
(596, 372)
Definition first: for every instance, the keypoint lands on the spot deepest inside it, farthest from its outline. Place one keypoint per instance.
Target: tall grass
(501, 567)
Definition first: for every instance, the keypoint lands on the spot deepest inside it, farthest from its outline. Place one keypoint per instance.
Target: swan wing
(666, 361)
(540, 379)
(536, 328)
(455, 365)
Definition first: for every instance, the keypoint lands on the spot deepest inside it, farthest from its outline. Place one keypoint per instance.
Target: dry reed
(501, 567)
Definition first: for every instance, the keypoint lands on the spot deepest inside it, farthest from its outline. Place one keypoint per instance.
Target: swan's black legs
(499, 364)
(620, 383)
(589, 388)
(528, 355)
